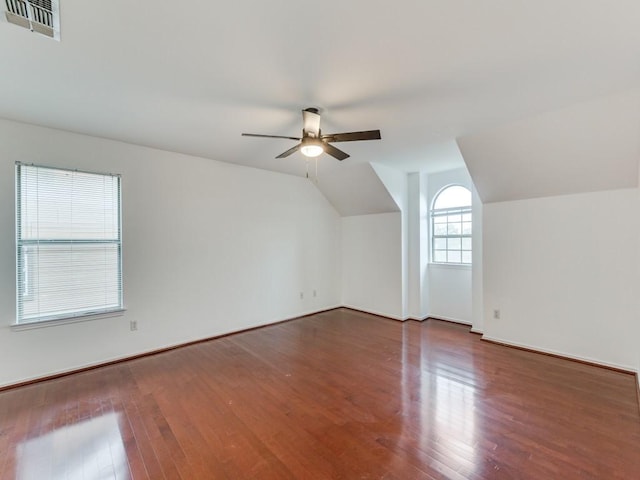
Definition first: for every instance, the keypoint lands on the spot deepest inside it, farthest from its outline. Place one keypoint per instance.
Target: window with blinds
(69, 243)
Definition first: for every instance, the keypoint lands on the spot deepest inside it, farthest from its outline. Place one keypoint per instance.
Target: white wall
(563, 271)
(209, 248)
(636, 332)
(450, 293)
(397, 184)
(395, 181)
(450, 287)
(477, 298)
(372, 263)
(418, 248)
(637, 329)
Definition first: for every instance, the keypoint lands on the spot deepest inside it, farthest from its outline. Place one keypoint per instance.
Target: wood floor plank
(337, 395)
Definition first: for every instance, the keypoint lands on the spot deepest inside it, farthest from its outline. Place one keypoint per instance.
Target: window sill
(65, 321)
(455, 266)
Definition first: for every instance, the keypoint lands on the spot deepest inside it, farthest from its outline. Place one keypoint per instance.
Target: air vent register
(40, 16)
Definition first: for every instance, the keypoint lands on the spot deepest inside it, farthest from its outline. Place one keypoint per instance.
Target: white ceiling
(586, 147)
(191, 76)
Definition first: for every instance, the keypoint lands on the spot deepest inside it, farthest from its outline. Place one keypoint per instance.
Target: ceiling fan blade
(352, 136)
(334, 152)
(289, 152)
(311, 122)
(269, 136)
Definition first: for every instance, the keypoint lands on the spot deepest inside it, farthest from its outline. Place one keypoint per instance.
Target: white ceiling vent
(40, 16)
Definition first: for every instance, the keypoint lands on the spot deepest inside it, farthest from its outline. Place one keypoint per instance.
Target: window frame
(23, 252)
(448, 212)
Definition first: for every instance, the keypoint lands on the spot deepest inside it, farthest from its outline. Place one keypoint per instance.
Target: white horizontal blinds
(69, 243)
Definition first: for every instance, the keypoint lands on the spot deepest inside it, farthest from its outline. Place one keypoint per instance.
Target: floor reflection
(455, 414)
(89, 450)
(447, 397)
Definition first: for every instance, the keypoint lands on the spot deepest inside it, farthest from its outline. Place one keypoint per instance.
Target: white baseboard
(579, 358)
(450, 319)
(374, 312)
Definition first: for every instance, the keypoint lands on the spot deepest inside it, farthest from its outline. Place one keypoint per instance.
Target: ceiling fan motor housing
(310, 123)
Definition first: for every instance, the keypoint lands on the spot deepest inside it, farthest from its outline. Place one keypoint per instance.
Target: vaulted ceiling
(589, 146)
(512, 82)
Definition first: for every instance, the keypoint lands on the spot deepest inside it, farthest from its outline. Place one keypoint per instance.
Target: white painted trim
(418, 319)
(372, 312)
(304, 314)
(17, 327)
(80, 368)
(476, 330)
(617, 366)
(449, 319)
(451, 266)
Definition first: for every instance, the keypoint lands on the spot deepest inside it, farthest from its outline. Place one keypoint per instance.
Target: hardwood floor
(340, 394)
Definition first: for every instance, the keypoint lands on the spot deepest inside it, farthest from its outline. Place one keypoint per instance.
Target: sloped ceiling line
(589, 146)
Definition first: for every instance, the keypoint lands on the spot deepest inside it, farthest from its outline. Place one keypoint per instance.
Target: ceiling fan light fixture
(313, 143)
(311, 147)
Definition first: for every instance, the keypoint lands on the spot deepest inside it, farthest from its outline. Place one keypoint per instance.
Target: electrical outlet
(315, 294)
(301, 295)
(496, 314)
(133, 325)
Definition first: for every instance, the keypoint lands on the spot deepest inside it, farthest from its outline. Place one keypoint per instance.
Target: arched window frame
(457, 234)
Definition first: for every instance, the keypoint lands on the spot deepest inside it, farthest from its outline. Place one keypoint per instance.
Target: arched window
(451, 226)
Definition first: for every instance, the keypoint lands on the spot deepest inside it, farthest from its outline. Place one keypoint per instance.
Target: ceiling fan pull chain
(307, 164)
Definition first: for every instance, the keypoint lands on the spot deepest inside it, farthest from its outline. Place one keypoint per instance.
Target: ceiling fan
(313, 143)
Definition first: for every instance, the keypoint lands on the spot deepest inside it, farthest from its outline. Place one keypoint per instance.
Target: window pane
(451, 221)
(440, 256)
(49, 211)
(454, 257)
(440, 229)
(68, 243)
(453, 243)
(72, 278)
(453, 229)
(453, 196)
(440, 243)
